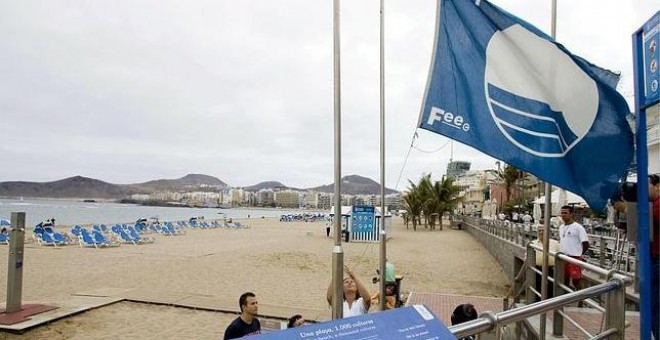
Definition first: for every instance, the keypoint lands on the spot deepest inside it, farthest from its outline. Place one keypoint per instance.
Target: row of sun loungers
(215, 224)
(100, 236)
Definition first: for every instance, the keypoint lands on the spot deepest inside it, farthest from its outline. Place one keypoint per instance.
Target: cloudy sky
(130, 91)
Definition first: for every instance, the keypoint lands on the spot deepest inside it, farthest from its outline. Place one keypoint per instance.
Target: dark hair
(242, 301)
(293, 320)
(391, 285)
(462, 313)
(568, 207)
(654, 179)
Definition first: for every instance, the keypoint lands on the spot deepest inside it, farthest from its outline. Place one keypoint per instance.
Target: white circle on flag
(545, 103)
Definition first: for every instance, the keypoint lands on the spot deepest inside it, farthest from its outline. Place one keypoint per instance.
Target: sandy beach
(284, 263)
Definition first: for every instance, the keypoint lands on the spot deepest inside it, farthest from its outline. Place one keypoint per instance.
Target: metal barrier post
(530, 278)
(15, 263)
(557, 318)
(615, 316)
(601, 259)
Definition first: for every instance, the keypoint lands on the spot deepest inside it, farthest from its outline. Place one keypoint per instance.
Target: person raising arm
(356, 297)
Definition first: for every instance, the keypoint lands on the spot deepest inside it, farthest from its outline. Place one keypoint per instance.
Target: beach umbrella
(4, 222)
(562, 200)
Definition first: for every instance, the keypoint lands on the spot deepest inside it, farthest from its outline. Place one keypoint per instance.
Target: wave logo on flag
(502, 86)
(531, 93)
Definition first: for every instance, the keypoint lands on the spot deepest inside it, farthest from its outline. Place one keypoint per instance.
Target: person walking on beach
(356, 297)
(553, 246)
(247, 323)
(574, 242)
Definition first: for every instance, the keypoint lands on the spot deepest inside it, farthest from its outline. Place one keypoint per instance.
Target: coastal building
(456, 168)
(140, 197)
(266, 197)
(471, 186)
(393, 201)
(287, 199)
(309, 199)
(237, 196)
(325, 200)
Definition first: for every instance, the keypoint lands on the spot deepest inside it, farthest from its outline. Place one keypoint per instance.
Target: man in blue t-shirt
(247, 323)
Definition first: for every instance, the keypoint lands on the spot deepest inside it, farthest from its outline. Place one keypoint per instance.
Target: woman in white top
(356, 297)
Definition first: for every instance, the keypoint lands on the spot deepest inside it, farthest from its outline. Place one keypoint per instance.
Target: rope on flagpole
(405, 161)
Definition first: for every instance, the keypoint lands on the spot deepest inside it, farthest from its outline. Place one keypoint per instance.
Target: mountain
(267, 185)
(355, 185)
(187, 182)
(72, 187)
(83, 187)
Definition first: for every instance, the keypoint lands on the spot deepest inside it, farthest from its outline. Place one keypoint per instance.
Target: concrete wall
(503, 250)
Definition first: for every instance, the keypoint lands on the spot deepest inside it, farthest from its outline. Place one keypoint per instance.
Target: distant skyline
(128, 92)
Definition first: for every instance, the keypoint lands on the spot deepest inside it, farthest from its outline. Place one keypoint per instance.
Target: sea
(71, 212)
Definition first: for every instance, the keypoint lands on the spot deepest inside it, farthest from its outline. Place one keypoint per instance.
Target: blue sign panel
(413, 322)
(363, 218)
(650, 36)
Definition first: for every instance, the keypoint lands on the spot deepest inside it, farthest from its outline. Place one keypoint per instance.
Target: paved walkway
(588, 318)
(441, 304)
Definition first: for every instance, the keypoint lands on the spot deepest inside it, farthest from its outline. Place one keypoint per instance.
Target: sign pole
(645, 49)
(337, 252)
(383, 233)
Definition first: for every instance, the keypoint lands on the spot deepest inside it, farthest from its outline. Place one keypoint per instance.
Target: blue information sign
(362, 219)
(649, 45)
(413, 322)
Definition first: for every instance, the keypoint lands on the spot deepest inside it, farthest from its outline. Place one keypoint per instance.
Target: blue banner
(413, 322)
(500, 85)
(363, 219)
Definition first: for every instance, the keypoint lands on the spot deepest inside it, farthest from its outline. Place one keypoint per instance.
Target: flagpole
(643, 229)
(383, 233)
(337, 251)
(548, 206)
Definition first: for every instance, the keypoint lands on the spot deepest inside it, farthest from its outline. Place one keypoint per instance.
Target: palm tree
(446, 196)
(413, 204)
(430, 200)
(509, 175)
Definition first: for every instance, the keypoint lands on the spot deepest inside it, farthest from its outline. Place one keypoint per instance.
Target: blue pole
(642, 192)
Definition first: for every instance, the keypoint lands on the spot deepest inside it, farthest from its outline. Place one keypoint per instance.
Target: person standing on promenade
(654, 196)
(574, 242)
(356, 297)
(553, 246)
(247, 323)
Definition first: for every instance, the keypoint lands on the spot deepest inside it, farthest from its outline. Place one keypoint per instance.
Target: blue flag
(500, 85)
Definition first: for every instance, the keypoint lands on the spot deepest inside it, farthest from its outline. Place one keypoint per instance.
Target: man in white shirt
(573, 242)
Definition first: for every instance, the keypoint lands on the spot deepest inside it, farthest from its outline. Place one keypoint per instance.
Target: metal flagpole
(383, 233)
(548, 208)
(337, 252)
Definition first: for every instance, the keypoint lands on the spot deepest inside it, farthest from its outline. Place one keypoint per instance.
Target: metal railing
(611, 250)
(612, 292)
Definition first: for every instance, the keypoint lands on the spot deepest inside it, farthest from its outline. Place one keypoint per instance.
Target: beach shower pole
(15, 263)
(548, 208)
(337, 252)
(383, 232)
